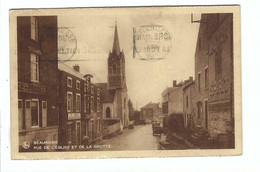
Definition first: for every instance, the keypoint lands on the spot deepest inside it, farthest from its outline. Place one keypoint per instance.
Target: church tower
(116, 65)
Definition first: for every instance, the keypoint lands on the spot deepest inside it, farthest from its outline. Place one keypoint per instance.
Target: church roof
(107, 96)
(116, 47)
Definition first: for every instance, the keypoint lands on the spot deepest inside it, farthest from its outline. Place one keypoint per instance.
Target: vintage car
(157, 129)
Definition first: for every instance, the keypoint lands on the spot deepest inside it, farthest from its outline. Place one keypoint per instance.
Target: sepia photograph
(125, 82)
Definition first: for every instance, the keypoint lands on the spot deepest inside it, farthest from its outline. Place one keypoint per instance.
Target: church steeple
(116, 47)
(116, 65)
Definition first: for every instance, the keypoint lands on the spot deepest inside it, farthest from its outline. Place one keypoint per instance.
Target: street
(139, 138)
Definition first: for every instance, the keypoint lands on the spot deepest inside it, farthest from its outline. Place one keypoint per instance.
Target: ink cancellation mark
(67, 44)
(151, 42)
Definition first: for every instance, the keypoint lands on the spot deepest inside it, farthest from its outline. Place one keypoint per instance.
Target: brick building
(79, 107)
(214, 75)
(37, 81)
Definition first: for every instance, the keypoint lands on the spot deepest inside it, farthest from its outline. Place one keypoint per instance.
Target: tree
(131, 110)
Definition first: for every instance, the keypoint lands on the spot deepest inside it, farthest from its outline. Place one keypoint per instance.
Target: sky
(94, 32)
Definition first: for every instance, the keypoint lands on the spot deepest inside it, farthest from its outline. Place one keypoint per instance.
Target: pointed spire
(116, 47)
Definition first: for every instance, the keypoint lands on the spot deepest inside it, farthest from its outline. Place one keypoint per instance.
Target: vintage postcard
(125, 82)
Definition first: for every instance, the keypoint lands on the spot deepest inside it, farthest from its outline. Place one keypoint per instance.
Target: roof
(189, 84)
(107, 96)
(150, 106)
(64, 67)
(168, 90)
(116, 47)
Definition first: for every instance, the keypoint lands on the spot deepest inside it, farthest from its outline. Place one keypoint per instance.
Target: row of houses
(208, 101)
(57, 104)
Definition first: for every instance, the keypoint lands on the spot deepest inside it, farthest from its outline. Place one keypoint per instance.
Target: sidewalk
(177, 142)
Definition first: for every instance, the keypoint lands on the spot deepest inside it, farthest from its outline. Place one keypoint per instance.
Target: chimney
(76, 68)
(174, 83)
(191, 78)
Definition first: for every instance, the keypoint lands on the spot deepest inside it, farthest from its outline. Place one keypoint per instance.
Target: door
(206, 114)
(44, 114)
(20, 114)
(27, 114)
(77, 133)
(91, 130)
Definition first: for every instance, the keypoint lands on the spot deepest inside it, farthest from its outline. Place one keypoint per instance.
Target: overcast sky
(94, 32)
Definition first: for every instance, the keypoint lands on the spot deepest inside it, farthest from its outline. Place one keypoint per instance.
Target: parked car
(157, 129)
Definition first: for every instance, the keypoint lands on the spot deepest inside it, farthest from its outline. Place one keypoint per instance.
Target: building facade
(221, 88)
(214, 107)
(188, 105)
(37, 81)
(201, 77)
(172, 97)
(79, 109)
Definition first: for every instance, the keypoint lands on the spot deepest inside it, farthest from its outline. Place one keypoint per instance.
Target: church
(114, 96)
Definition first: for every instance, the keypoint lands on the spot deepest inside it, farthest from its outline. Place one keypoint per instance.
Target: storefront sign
(31, 88)
(72, 116)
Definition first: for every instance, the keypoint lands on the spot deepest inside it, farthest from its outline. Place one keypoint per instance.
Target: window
(35, 113)
(78, 103)
(34, 28)
(85, 103)
(34, 68)
(92, 90)
(92, 103)
(199, 81)
(69, 102)
(108, 113)
(98, 104)
(69, 82)
(78, 85)
(98, 91)
(206, 77)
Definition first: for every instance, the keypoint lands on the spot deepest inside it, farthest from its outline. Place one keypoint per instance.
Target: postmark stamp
(67, 44)
(151, 42)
